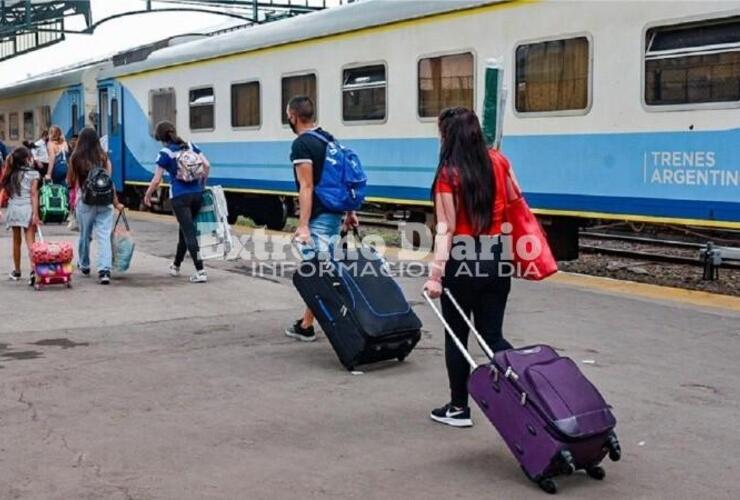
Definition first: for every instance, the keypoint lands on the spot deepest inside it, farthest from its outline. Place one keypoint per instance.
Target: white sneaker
(174, 270)
(199, 277)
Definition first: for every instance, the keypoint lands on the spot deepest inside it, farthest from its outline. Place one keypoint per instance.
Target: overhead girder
(28, 25)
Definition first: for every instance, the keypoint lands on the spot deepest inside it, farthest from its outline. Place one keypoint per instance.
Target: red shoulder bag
(532, 257)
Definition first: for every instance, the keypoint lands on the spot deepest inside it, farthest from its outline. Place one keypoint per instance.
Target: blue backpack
(60, 169)
(343, 181)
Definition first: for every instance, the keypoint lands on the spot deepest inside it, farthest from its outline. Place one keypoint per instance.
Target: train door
(110, 128)
(76, 112)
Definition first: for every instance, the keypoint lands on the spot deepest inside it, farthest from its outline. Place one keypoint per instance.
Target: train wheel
(273, 213)
(132, 198)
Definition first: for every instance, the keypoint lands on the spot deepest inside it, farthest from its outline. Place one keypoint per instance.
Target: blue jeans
(324, 230)
(95, 221)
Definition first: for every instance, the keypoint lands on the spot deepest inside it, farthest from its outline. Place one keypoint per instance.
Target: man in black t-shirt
(317, 225)
(309, 152)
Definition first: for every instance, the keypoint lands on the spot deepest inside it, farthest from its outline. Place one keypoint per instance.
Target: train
(615, 111)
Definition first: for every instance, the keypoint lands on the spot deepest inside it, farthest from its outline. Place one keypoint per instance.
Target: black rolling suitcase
(360, 307)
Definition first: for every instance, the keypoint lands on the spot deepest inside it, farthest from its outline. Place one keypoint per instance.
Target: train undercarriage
(273, 211)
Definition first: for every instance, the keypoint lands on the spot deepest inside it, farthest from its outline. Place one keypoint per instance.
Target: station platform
(155, 388)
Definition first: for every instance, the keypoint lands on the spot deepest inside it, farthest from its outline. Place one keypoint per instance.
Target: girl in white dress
(20, 181)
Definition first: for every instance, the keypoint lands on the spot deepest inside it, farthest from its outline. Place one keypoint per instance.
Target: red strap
(501, 165)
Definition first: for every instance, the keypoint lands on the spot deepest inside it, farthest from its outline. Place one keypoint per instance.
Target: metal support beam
(29, 25)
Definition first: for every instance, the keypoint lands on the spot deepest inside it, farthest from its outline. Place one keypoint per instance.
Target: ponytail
(5, 172)
(15, 163)
(165, 132)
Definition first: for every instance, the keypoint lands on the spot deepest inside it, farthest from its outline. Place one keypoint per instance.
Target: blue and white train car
(64, 98)
(616, 111)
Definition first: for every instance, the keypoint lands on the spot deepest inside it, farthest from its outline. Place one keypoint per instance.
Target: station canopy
(29, 25)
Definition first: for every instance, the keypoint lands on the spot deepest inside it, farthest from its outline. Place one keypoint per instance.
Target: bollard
(712, 259)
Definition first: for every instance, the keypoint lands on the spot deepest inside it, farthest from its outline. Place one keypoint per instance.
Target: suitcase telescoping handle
(39, 234)
(452, 335)
(481, 341)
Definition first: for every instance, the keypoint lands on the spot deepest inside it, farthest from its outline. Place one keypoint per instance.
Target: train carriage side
(586, 127)
(650, 132)
(25, 113)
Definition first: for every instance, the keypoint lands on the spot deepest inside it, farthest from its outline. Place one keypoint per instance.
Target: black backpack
(98, 188)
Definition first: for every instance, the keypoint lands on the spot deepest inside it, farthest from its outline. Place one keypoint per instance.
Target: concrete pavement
(153, 388)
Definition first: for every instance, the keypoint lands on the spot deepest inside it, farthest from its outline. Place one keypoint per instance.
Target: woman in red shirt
(470, 191)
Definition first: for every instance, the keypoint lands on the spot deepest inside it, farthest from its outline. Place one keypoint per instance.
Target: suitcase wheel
(596, 472)
(612, 444)
(548, 485)
(567, 463)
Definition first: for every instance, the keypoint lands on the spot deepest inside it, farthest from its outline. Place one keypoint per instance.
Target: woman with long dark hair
(188, 170)
(20, 182)
(94, 220)
(469, 193)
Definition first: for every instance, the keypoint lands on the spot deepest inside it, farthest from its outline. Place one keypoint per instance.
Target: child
(21, 183)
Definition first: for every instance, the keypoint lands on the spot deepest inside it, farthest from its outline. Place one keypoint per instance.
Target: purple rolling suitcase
(551, 417)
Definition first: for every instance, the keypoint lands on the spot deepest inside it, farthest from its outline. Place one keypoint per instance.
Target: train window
(444, 82)
(245, 105)
(14, 132)
(693, 63)
(114, 116)
(552, 75)
(163, 106)
(104, 115)
(363, 93)
(28, 132)
(44, 118)
(75, 119)
(202, 109)
(2, 127)
(298, 85)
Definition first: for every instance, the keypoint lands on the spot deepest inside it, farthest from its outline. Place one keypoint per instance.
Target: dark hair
(165, 132)
(303, 107)
(15, 165)
(87, 155)
(464, 155)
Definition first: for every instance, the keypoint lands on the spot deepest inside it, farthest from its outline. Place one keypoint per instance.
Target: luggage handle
(39, 234)
(481, 341)
(452, 335)
(302, 245)
(345, 232)
(355, 231)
